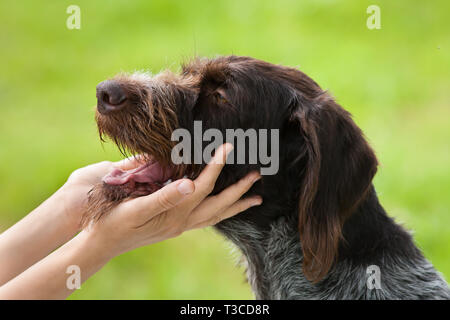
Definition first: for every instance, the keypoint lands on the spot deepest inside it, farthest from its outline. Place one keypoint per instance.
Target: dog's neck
(274, 257)
(270, 255)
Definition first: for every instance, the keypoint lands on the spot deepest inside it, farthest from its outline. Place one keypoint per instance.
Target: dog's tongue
(147, 173)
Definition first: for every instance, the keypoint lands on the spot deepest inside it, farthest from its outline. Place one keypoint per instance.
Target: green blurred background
(394, 80)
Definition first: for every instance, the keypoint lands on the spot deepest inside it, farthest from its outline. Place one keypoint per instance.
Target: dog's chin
(119, 185)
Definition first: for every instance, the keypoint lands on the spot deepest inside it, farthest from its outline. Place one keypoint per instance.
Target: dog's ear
(339, 169)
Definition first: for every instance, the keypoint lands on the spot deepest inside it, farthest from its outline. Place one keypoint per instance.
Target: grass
(394, 81)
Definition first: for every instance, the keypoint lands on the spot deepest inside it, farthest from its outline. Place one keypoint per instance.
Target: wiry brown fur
(146, 130)
(148, 126)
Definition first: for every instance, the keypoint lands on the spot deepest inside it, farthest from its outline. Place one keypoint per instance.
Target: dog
(321, 232)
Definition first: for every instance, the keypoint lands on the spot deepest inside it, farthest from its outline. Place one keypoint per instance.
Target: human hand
(74, 193)
(52, 223)
(179, 206)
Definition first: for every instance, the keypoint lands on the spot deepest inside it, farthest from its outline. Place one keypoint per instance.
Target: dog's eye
(220, 98)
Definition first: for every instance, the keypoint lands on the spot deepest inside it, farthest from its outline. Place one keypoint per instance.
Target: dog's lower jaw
(274, 263)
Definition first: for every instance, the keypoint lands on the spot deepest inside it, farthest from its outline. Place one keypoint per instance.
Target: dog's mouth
(118, 185)
(142, 180)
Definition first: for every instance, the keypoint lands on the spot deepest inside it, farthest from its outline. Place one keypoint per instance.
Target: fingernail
(185, 187)
(256, 202)
(255, 176)
(228, 148)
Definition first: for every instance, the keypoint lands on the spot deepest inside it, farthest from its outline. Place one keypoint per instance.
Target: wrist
(94, 246)
(94, 240)
(71, 203)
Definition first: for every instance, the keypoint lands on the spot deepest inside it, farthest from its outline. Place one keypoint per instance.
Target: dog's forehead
(141, 76)
(203, 73)
(161, 79)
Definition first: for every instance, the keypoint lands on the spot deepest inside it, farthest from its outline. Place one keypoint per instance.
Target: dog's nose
(110, 97)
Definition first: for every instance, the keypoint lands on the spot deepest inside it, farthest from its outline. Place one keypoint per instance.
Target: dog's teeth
(167, 182)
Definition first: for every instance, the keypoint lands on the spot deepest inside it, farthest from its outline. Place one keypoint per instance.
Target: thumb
(164, 199)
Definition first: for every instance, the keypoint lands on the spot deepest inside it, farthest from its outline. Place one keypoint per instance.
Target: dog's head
(324, 165)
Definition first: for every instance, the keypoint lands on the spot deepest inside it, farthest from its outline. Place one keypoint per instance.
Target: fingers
(207, 211)
(237, 207)
(234, 192)
(166, 198)
(145, 208)
(207, 179)
(204, 184)
(214, 204)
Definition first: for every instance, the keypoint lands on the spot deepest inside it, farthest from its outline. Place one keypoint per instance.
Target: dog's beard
(144, 128)
(144, 131)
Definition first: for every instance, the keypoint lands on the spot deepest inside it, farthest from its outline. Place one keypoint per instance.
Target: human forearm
(36, 235)
(47, 279)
